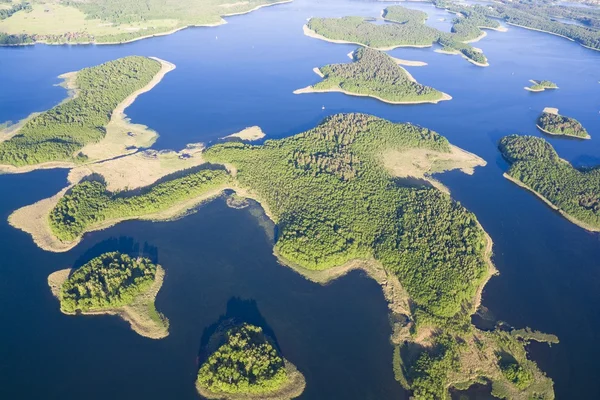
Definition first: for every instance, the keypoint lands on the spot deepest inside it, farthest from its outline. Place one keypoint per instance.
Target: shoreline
(309, 89)
(539, 90)
(540, 30)
(563, 134)
(455, 53)
(118, 117)
(571, 219)
(139, 322)
(292, 389)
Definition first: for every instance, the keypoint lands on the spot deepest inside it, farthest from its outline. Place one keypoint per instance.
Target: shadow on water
(478, 391)
(238, 311)
(124, 244)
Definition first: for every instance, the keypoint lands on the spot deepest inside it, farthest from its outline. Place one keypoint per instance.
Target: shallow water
(243, 74)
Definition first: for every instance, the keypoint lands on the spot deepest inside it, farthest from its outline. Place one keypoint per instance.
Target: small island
(249, 134)
(114, 284)
(540, 86)
(536, 166)
(374, 74)
(552, 123)
(90, 125)
(246, 365)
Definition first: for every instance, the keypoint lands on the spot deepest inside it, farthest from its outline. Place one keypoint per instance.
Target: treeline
(111, 280)
(89, 203)
(561, 125)
(7, 12)
(59, 133)
(247, 363)
(333, 202)
(374, 73)
(536, 164)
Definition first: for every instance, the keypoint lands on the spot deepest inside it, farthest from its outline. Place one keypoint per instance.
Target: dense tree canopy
(59, 133)
(109, 281)
(560, 125)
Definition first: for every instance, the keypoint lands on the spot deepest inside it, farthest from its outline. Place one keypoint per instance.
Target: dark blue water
(243, 74)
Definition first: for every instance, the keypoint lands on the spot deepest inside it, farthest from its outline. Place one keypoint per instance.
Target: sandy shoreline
(310, 89)
(575, 221)
(250, 134)
(136, 313)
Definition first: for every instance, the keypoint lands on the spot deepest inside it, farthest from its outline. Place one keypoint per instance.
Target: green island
(89, 125)
(575, 193)
(115, 284)
(540, 86)
(552, 123)
(356, 192)
(541, 16)
(375, 74)
(112, 21)
(406, 29)
(246, 365)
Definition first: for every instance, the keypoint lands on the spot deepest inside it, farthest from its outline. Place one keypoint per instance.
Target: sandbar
(250, 134)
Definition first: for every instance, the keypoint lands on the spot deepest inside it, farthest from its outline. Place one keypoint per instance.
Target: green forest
(408, 29)
(247, 363)
(89, 203)
(109, 281)
(560, 125)
(534, 162)
(61, 132)
(374, 73)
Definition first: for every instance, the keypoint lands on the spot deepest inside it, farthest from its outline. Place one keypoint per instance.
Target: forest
(535, 163)
(408, 29)
(374, 73)
(557, 124)
(61, 132)
(247, 363)
(89, 203)
(109, 281)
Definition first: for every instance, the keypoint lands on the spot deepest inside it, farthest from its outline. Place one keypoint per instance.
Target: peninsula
(552, 123)
(114, 284)
(90, 125)
(374, 74)
(112, 21)
(540, 86)
(536, 166)
(246, 365)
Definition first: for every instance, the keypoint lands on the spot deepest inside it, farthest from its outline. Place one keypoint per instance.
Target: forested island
(407, 29)
(342, 198)
(552, 123)
(374, 74)
(112, 21)
(90, 125)
(540, 86)
(246, 365)
(536, 166)
(114, 283)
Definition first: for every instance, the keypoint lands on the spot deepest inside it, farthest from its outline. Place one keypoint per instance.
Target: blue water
(243, 74)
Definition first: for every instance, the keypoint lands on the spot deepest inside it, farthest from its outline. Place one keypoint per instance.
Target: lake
(219, 261)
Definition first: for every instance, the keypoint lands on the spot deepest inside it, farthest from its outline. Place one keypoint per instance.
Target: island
(246, 365)
(535, 165)
(250, 134)
(112, 21)
(357, 192)
(90, 125)
(114, 284)
(552, 123)
(540, 86)
(406, 28)
(374, 74)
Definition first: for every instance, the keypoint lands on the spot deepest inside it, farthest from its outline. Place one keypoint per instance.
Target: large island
(115, 284)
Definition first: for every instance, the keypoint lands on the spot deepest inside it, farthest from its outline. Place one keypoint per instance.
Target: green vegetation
(535, 164)
(89, 204)
(247, 363)
(112, 21)
(376, 74)
(517, 375)
(408, 29)
(540, 86)
(61, 132)
(556, 124)
(110, 281)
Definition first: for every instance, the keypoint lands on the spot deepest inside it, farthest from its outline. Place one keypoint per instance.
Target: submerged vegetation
(374, 73)
(555, 124)
(540, 86)
(407, 29)
(535, 164)
(247, 364)
(61, 132)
